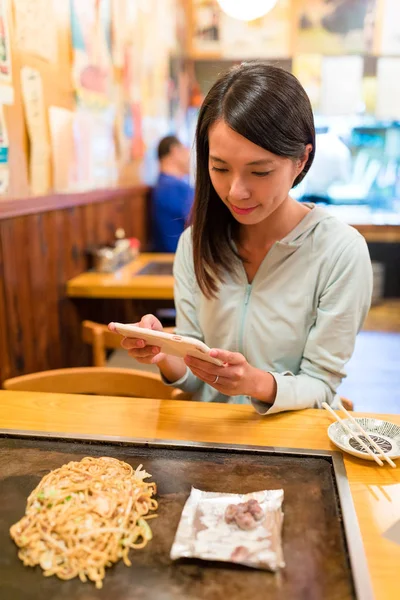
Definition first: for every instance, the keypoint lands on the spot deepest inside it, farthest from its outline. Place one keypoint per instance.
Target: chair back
(101, 339)
(101, 381)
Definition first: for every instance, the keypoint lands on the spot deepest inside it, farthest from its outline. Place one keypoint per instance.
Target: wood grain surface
(317, 565)
(375, 490)
(125, 283)
(40, 328)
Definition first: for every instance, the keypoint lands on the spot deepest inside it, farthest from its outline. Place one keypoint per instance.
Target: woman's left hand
(235, 378)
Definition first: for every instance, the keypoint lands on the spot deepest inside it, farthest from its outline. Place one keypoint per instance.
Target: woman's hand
(236, 377)
(138, 349)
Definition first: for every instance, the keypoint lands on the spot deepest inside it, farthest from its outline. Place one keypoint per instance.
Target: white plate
(384, 433)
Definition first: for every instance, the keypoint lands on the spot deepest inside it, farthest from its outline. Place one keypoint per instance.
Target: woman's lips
(243, 211)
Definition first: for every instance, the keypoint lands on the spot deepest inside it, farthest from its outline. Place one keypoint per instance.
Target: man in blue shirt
(172, 196)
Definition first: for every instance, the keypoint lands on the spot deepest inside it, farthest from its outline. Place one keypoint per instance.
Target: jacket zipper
(244, 312)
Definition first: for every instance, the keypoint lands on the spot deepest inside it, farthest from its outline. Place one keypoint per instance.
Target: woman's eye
(261, 173)
(219, 170)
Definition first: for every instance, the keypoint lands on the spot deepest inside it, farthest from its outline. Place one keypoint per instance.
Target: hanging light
(246, 10)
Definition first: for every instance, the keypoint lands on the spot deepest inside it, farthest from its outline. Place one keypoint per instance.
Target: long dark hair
(268, 106)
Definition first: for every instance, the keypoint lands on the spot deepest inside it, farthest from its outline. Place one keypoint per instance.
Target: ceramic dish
(385, 434)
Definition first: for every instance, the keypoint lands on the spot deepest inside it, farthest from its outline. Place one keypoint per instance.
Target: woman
(277, 288)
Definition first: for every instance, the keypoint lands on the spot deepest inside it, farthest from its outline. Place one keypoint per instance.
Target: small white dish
(385, 434)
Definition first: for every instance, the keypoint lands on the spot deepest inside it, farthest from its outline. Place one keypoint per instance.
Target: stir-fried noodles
(85, 516)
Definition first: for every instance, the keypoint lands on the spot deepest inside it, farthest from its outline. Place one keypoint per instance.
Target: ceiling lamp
(246, 10)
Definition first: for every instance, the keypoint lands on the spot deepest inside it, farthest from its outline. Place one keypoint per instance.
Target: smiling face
(251, 182)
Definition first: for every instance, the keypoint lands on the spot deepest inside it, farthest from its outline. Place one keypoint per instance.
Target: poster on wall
(388, 89)
(5, 56)
(181, 29)
(342, 85)
(95, 154)
(266, 37)
(182, 89)
(130, 145)
(92, 61)
(123, 15)
(206, 26)
(36, 28)
(134, 118)
(124, 130)
(36, 122)
(132, 102)
(370, 90)
(307, 68)
(335, 26)
(4, 166)
(62, 147)
(390, 28)
(153, 70)
(118, 31)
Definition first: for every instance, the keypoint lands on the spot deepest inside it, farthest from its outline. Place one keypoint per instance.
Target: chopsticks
(363, 432)
(368, 437)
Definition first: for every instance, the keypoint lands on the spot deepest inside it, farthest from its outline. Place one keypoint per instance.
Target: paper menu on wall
(6, 89)
(333, 27)
(36, 28)
(5, 55)
(32, 95)
(95, 153)
(119, 31)
(61, 121)
(342, 85)
(92, 69)
(390, 29)
(4, 167)
(206, 16)
(307, 68)
(269, 35)
(388, 88)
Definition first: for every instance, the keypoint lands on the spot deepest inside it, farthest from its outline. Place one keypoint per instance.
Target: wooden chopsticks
(360, 429)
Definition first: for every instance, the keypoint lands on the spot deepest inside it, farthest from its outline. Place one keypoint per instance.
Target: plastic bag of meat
(238, 528)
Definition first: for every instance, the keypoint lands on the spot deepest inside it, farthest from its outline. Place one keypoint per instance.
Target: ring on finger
(216, 379)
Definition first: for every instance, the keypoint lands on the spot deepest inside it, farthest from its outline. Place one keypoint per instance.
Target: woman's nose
(238, 190)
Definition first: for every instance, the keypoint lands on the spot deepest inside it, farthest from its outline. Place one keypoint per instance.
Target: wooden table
(385, 316)
(375, 490)
(125, 283)
(384, 234)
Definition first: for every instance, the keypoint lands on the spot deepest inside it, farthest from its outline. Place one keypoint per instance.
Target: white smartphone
(175, 345)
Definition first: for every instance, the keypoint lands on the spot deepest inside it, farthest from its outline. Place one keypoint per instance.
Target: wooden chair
(101, 339)
(384, 316)
(101, 381)
(348, 404)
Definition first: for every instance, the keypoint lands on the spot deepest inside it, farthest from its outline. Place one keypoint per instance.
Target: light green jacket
(298, 319)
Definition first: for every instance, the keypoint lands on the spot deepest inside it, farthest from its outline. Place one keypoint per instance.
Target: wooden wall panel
(73, 262)
(89, 220)
(19, 305)
(43, 312)
(140, 216)
(5, 368)
(54, 287)
(39, 325)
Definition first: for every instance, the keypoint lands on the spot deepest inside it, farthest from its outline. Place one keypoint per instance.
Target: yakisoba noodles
(85, 516)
